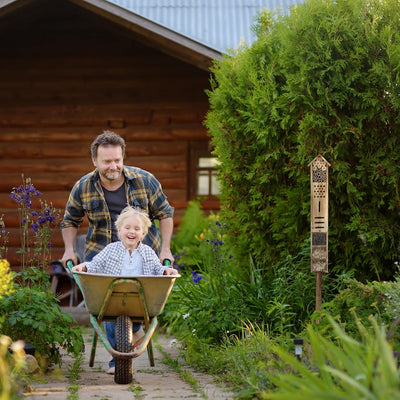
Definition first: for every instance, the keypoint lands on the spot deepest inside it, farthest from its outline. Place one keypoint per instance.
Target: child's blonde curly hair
(130, 211)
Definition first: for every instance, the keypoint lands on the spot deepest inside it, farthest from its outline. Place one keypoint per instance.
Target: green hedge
(322, 80)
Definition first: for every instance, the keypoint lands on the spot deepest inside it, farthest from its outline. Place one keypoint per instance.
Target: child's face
(131, 232)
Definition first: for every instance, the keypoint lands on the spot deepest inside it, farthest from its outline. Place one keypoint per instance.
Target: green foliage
(73, 375)
(324, 79)
(248, 360)
(378, 299)
(341, 369)
(35, 317)
(208, 300)
(240, 361)
(232, 318)
(216, 297)
(29, 311)
(193, 222)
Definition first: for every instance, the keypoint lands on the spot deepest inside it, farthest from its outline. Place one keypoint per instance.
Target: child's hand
(170, 271)
(79, 268)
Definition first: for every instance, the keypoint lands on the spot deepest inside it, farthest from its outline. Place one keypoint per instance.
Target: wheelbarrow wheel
(123, 343)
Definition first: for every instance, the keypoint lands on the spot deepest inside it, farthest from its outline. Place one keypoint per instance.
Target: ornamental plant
(323, 79)
(34, 316)
(29, 310)
(36, 227)
(208, 301)
(6, 278)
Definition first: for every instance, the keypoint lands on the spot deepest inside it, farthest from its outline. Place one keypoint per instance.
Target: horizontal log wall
(66, 76)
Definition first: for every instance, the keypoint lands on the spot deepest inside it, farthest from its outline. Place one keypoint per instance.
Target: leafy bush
(34, 316)
(323, 79)
(378, 299)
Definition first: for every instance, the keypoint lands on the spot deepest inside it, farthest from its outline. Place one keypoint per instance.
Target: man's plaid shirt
(142, 190)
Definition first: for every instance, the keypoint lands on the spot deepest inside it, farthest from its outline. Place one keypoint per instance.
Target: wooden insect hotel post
(319, 221)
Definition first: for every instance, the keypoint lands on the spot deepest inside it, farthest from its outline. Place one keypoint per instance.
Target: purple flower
(23, 194)
(196, 278)
(41, 220)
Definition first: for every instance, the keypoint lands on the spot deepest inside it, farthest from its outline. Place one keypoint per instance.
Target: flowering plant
(28, 308)
(6, 278)
(36, 225)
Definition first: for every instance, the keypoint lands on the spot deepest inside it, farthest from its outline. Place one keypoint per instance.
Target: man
(101, 195)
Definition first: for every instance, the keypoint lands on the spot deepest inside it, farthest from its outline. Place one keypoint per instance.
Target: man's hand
(165, 254)
(69, 255)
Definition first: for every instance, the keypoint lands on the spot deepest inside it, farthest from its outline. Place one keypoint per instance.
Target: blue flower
(41, 220)
(196, 278)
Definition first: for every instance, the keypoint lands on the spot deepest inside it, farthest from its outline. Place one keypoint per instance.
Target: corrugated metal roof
(219, 24)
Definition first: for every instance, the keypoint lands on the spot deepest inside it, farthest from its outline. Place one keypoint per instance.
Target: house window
(207, 183)
(203, 171)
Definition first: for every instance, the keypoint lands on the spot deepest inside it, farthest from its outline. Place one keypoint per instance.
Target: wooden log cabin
(71, 69)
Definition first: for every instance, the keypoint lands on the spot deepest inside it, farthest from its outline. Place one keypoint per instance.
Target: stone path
(158, 382)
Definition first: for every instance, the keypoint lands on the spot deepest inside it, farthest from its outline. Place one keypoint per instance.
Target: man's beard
(111, 176)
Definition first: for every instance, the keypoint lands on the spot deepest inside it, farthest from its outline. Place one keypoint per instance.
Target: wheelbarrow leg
(150, 353)
(93, 352)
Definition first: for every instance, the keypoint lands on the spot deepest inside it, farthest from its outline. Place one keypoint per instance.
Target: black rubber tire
(123, 343)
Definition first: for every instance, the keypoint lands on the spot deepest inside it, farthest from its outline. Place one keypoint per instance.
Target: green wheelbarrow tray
(107, 297)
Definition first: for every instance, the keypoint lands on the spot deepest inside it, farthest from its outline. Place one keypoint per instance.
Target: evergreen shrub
(324, 79)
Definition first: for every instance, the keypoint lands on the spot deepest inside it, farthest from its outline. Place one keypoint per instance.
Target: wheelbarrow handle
(166, 262)
(69, 265)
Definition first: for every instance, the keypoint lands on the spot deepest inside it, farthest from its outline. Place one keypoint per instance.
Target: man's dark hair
(107, 138)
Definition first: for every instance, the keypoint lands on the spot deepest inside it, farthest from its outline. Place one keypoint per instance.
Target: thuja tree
(322, 80)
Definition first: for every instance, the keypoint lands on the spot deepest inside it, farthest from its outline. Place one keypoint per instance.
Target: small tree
(324, 79)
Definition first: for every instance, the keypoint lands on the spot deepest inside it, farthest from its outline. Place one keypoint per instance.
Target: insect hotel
(319, 221)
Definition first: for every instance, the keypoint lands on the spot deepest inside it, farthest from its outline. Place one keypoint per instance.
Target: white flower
(186, 315)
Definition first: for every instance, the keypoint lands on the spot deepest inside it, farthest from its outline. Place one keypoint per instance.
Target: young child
(127, 257)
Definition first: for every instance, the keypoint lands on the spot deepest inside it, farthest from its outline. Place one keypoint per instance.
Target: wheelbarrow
(123, 300)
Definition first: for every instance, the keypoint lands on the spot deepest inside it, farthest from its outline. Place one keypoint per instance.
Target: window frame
(199, 150)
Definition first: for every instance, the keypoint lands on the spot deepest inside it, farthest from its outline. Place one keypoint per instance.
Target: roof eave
(153, 34)
(7, 6)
